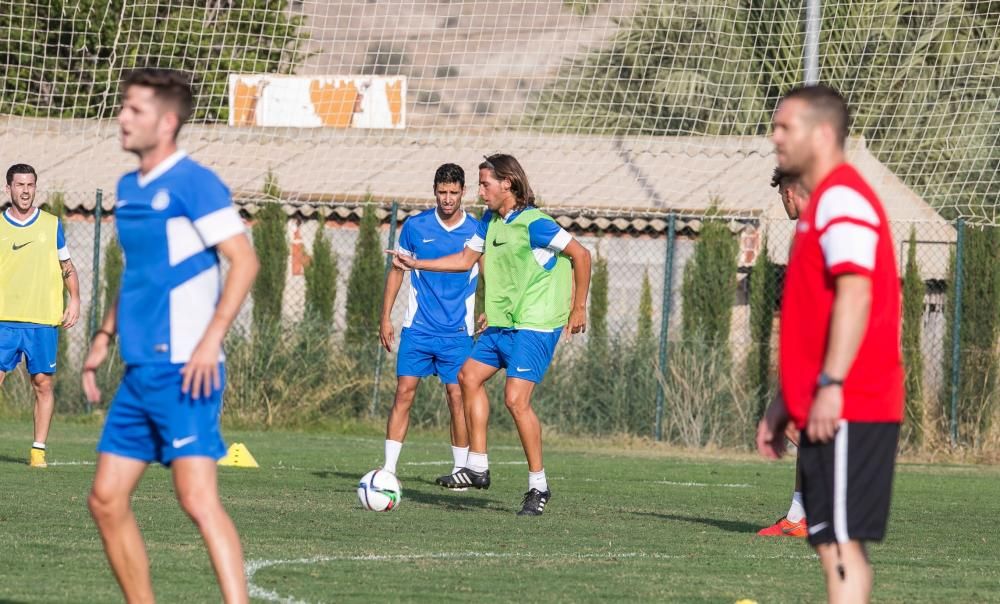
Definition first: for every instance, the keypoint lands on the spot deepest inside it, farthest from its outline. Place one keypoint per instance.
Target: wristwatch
(824, 380)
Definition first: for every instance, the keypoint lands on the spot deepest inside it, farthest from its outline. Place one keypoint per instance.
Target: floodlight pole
(810, 52)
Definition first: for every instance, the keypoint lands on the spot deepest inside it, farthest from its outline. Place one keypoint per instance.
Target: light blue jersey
(169, 222)
(441, 304)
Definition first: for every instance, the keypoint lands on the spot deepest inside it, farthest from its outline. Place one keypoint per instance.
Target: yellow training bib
(31, 287)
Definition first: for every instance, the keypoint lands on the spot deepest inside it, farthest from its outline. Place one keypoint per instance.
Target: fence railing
(681, 344)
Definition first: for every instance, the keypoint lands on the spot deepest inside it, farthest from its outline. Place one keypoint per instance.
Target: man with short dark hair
(174, 218)
(841, 363)
(35, 266)
(793, 523)
(438, 327)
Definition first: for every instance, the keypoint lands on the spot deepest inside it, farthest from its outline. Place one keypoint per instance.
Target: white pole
(811, 50)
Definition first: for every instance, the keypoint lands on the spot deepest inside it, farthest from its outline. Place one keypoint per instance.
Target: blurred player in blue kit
(174, 218)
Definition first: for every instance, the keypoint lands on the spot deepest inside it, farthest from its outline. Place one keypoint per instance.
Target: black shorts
(847, 482)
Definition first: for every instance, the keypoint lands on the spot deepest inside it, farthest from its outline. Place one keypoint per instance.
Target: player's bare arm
(98, 351)
(393, 282)
(201, 373)
(580, 257)
(851, 307)
(455, 263)
(771, 430)
(72, 313)
(482, 320)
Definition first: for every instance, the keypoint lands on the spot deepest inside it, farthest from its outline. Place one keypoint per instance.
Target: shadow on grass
(17, 460)
(732, 526)
(435, 496)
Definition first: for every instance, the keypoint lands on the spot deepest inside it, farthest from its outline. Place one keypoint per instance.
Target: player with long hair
(537, 280)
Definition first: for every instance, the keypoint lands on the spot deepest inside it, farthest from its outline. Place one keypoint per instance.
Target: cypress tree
(114, 265)
(271, 243)
(321, 281)
(365, 286)
(709, 286)
(913, 312)
(980, 323)
(763, 300)
(597, 324)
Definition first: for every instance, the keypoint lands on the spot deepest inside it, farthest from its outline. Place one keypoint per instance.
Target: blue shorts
(38, 344)
(152, 420)
(421, 355)
(523, 353)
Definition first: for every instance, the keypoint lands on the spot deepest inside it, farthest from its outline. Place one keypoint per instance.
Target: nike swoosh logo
(813, 529)
(522, 369)
(187, 440)
(498, 243)
(428, 240)
(52, 366)
(17, 247)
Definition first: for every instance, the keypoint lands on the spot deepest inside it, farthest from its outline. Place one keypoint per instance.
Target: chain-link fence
(681, 342)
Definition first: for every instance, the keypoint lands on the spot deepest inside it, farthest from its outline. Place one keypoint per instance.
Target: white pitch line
(72, 463)
(252, 566)
(448, 463)
(738, 485)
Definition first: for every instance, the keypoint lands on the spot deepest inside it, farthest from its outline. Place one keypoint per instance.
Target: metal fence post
(380, 352)
(956, 329)
(668, 288)
(95, 287)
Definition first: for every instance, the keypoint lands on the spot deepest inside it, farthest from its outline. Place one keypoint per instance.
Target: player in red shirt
(840, 360)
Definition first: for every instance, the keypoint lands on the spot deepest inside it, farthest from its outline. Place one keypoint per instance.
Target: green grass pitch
(637, 524)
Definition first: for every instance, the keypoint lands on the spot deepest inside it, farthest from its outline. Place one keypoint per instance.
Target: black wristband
(110, 335)
(824, 380)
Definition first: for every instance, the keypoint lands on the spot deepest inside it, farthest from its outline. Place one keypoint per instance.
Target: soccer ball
(379, 491)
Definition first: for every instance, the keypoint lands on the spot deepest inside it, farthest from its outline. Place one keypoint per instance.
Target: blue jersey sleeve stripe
(60, 235)
(542, 231)
(484, 224)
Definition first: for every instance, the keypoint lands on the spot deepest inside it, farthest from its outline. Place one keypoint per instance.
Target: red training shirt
(843, 230)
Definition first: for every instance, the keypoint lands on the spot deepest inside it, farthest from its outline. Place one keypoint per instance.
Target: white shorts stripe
(840, 483)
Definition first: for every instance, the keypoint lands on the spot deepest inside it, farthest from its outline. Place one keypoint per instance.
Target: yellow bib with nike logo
(31, 287)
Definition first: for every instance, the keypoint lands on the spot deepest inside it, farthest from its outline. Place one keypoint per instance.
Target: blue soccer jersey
(169, 222)
(441, 304)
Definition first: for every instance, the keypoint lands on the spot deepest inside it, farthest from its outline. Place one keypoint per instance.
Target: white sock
(38, 445)
(536, 480)
(477, 462)
(796, 512)
(392, 449)
(461, 457)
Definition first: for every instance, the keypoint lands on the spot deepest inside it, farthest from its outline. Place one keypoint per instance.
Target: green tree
(639, 370)
(718, 69)
(597, 325)
(763, 303)
(709, 286)
(365, 286)
(913, 364)
(271, 243)
(114, 265)
(321, 280)
(644, 330)
(979, 328)
(65, 59)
